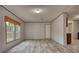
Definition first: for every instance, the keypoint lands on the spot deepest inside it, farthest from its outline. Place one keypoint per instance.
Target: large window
(10, 31)
(13, 29)
(18, 32)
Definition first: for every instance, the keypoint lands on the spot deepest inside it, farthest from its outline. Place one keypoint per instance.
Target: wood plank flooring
(41, 46)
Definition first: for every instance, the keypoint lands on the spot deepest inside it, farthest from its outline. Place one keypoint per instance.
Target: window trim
(9, 19)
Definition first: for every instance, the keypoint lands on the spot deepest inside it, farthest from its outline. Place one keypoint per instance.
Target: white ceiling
(49, 12)
(74, 13)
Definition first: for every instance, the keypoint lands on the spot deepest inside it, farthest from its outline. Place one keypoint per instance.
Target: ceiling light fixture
(37, 10)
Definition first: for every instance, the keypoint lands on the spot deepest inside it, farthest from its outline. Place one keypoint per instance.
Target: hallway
(41, 46)
(75, 45)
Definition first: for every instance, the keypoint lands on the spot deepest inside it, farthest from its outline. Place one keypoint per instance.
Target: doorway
(69, 32)
(47, 31)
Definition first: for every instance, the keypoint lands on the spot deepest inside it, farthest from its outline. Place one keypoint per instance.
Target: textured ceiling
(27, 14)
(74, 13)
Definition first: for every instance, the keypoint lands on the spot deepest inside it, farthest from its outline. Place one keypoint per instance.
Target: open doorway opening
(72, 32)
(75, 32)
(69, 31)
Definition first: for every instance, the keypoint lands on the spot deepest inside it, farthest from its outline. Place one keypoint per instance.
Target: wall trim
(65, 38)
(58, 16)
(38, 39)
(37, 22)
(50, 30)
(11, 12)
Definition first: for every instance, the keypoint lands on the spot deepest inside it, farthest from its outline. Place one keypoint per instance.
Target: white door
(47, 31)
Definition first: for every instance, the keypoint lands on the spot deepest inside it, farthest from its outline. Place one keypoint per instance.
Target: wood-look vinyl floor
(41, 46)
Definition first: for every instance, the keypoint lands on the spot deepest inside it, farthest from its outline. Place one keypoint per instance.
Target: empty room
(39, 29)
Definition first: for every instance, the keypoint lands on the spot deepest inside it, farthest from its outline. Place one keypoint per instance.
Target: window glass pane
(18, 32)
(10, 31)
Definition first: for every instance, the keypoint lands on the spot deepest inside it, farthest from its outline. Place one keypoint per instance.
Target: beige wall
(75, 29)
(58, 29)
(3, 45)
(35, 30)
